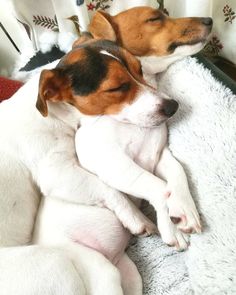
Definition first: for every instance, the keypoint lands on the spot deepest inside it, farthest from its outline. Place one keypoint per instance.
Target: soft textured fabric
(202, 136)
(8, 87)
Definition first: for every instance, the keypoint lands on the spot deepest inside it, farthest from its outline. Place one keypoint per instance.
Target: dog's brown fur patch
(145, 31)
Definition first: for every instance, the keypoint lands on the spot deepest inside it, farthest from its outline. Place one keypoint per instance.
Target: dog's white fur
(151, 65)
(155, 64)
(38, 157)
(127, 156)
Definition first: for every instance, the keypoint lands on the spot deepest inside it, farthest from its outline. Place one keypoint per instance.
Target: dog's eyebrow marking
(108, 53)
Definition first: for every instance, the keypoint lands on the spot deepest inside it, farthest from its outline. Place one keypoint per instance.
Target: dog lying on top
(122, 139)
(39, 154)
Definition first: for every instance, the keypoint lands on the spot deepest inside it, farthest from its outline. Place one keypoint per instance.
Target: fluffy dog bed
(202, 136)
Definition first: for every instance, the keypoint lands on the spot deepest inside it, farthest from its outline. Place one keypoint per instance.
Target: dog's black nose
(207, 21)
(169, 107)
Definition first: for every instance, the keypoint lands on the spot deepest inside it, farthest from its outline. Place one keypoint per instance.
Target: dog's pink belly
(106, 235)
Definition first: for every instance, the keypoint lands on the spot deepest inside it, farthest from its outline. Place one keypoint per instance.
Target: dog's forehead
(91, 51)
(88, 66)
(74, 56)
(86, 69)
(138, 14)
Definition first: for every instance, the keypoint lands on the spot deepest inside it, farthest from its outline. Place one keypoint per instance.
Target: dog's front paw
(170, 234)
(177, 239)
(141, 225)
(183, 212)
(147, 228)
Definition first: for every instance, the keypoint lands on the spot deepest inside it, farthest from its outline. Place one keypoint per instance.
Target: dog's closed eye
(123, 88)
(153, 19)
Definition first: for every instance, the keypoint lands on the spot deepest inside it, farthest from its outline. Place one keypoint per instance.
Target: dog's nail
(167, 194)
(187, 230)
(198, 229)
(171, 244)
(177, 246)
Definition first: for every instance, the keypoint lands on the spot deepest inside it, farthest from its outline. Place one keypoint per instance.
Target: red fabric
(8, 87)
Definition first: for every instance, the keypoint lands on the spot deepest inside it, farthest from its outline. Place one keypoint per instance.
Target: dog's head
(100, 78)
(147, 32)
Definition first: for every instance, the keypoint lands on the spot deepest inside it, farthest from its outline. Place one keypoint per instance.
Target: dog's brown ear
(84, 38)
(102, 26)
(133, 65)
(50, 84)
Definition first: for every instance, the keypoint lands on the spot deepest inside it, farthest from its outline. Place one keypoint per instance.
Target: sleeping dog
(154, 38)
(38, 157)
(122, 139)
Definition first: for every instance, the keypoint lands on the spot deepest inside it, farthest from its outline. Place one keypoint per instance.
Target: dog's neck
(152, 65)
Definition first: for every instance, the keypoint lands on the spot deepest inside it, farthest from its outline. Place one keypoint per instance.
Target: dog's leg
(132, 218)
(19, 199)
(169, 232)
(180, 204)
(99, 275)
(38, 270)
(131, 280)
(72, 183)
(120, 171)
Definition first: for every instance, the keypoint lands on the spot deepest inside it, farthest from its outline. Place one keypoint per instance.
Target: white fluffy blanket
(202, 136)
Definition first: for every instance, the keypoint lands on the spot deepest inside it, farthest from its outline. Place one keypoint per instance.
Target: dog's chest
(102, 139)
(143, 145)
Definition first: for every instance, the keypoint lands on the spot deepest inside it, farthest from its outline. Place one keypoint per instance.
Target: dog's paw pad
(175, 220)
(184, 215)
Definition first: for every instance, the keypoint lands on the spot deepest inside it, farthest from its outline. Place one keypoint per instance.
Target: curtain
(64, 19)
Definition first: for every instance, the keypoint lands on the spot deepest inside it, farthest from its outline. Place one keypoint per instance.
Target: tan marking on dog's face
(145, 31)
(116, 90)
(85, 37)
(93, 82)
(156, 32)
(73, 56)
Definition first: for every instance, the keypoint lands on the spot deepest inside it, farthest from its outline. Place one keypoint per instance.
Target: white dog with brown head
(122, 139)
(38, 157)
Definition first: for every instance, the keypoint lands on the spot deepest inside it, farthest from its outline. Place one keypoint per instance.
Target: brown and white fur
(122, 138)
(38, 157)
(153, 37)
